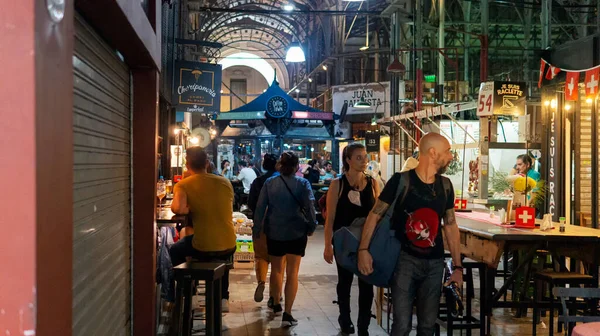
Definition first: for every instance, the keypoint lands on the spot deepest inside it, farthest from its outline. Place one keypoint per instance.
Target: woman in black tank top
(349, 197)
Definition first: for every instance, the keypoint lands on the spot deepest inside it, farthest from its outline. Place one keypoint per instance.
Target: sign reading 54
(485, 103)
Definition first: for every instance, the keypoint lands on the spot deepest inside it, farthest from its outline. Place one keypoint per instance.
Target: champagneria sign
(197, 87)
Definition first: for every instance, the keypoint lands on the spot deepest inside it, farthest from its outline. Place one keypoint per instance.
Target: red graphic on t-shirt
(422, 227)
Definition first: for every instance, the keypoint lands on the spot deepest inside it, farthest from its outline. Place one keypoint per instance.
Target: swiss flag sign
(542, 68)
(572, 85)
(460, 204)
(525, 217)
(552, 72)
(591, 81)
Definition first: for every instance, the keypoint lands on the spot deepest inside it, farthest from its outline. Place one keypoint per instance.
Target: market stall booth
(272, 123)
(570, 103)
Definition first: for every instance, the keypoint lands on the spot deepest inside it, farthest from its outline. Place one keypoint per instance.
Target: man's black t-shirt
(418, 221)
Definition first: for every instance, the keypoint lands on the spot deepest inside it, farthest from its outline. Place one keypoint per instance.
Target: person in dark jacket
(261, 257)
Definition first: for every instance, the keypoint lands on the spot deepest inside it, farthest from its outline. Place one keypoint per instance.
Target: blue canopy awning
(259, 106)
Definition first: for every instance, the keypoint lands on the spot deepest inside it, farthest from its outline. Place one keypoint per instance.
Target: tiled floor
(314, 309)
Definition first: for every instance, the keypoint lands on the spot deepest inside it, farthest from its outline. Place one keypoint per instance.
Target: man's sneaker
(271, 302)
(259, 292)
(225, 306)
(277, 309)
(288, 320)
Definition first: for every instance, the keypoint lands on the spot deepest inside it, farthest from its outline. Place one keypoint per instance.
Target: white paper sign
(485, 103)
(177, 161)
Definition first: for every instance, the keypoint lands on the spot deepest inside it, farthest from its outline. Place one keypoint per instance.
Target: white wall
(255, 83)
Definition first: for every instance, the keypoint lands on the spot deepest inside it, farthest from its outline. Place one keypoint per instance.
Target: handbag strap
(403, 186)
(291, 193)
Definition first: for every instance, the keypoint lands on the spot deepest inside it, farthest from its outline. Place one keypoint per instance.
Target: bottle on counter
(562, 221)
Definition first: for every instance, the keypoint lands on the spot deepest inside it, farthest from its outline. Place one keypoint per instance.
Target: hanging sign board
(376, 94)
(197, 87)
(372, 140)
(501, 98)
(554, 166)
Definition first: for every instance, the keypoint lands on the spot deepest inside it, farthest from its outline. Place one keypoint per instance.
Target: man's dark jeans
(183, 248)
(419, 279)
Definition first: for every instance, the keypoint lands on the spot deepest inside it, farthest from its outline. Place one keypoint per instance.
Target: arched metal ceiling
(274, 30)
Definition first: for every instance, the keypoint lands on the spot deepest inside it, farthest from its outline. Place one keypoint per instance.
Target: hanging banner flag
(542, 68)
(552, 72)
(591, 81)
(572, 86)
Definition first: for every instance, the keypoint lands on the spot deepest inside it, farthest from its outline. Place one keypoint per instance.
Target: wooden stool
(554, 279)
(185, 275)
(467, 322)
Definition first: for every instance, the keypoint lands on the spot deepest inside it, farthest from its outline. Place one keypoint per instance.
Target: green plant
(540, 195)
(498, 181)
(455, 166)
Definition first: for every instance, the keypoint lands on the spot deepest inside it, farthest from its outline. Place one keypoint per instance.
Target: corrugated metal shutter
(101, 187)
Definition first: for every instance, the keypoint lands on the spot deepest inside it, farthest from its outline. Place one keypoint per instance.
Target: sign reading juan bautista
(197, 87)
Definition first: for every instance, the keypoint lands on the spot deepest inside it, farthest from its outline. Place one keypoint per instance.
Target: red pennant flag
(572, 85)
(591, 81)
(542, 68)
(552, 72)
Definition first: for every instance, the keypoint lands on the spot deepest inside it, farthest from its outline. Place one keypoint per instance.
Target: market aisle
(316, 313)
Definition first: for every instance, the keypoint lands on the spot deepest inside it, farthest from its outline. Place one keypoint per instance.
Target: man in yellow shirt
(208, 198)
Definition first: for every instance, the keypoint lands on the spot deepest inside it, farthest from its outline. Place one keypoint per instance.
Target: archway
(256, 61)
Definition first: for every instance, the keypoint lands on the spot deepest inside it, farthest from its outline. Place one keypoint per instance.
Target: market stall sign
(555, 164)
(198, 87)
(376, 94)
(501, 98)
(312, 115)
(372, 141)
(277, 107)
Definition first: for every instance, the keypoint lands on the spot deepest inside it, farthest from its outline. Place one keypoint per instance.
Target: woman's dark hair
(348, 152)
(196, 158)
(223, 164)
(288, 164)
(312, 162)
(526, 159)
(269, 162)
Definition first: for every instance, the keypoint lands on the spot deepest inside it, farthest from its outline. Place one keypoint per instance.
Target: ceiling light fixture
(325, 67)
(366, 46)
(288, 8)
(295, 54)
(396, 67)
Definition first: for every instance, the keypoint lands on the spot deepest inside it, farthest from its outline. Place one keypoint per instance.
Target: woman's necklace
(431, 187)
(354, 194)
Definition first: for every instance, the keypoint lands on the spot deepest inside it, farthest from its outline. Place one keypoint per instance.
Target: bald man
(418, 224)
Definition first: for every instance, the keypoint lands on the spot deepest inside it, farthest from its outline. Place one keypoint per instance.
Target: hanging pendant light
(295, 54)
(396, 67)
(366, 46)
(362, 104)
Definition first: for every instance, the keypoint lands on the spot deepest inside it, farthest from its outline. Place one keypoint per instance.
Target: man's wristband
(454, 268)
(363, 249)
